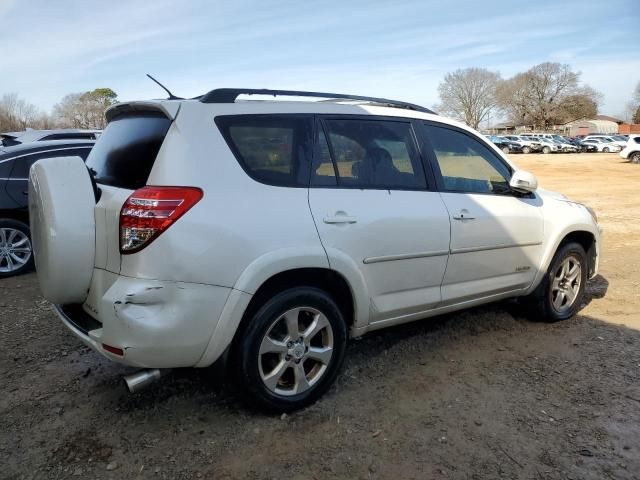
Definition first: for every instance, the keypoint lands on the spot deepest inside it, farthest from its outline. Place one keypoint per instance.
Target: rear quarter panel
(238, 219)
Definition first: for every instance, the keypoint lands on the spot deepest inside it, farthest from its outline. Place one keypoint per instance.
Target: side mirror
(523, 182)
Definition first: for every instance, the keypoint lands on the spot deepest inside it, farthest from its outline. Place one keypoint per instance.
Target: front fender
(562, 218)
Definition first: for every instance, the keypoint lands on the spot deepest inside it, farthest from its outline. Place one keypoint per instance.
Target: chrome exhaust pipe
(140, 380)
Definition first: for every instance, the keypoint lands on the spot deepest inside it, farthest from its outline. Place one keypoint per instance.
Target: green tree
(85, 110)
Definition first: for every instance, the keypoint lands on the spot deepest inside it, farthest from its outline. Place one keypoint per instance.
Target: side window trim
(425, 151)
(322, 118)
(433, 161)
(320, 122)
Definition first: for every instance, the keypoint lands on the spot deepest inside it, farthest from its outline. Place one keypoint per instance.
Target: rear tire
(605, 149)
(290, 351)
(16, 254)
(560, 293)
(634, 157)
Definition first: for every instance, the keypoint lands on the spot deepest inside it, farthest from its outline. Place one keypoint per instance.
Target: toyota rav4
(267, 233)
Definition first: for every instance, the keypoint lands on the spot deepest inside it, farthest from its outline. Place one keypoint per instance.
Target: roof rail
(229, 95)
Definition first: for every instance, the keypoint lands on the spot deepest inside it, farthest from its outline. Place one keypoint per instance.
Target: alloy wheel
(15, 250)
(295, 351)
(565, 285)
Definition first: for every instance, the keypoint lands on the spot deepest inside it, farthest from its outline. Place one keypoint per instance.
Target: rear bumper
(157, 324)
(625, 152)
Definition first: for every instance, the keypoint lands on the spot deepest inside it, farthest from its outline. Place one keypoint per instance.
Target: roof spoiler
(170, 109)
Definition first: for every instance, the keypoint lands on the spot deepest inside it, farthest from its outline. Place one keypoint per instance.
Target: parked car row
(18, 151)
(554, 143)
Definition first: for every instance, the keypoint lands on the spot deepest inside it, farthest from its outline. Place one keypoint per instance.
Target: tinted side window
(127, 149)
(637, 139)
(465, 164)
(23, 164)
(372, 154)
(271, 148)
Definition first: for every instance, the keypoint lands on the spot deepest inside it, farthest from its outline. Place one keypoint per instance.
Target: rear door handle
(464, 214)
(339, 217)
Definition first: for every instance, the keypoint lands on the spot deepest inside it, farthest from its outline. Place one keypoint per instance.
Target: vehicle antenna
(171, 95)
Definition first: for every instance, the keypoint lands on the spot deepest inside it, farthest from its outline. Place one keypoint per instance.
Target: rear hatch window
(125, 152)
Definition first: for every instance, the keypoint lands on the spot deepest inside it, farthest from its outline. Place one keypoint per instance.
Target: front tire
(546, 150)
(16, 254)
(505, 149)
(605, 149)
(526, 150)
(559, 296)
(291, 350)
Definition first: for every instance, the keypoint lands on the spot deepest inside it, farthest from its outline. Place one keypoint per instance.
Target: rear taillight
(149, 211)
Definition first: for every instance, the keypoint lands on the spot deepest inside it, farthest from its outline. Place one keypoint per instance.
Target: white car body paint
(179, 301)
(632, 146)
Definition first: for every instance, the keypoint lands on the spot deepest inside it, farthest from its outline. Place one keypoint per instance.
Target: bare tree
(549, 84)
(469, 94)
(634, 105)
(545, 94)
(514, 99)
(16, 113)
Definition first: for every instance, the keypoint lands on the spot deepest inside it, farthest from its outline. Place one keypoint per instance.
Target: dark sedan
(15, 161)
(505, 145)
(584, 147)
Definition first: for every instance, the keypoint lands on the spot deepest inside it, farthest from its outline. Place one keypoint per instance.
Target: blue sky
(398, 49)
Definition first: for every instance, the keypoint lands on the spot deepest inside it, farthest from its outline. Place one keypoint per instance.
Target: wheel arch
(588, 241)
(324, 279)
(15, 214)
(276, 272)
(582, 234)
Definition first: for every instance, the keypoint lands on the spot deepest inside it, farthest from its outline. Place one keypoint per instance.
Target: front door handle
(339, 217)
(464, 214)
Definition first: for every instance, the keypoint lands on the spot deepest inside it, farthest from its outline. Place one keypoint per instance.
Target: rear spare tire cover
(61, 211)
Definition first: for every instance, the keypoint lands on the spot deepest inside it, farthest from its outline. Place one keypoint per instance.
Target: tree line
(546, 94)
(75, 110)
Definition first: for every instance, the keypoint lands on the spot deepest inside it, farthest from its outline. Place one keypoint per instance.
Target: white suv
(631, 150)
(269, 232)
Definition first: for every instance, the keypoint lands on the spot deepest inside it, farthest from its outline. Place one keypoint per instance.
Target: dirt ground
(480, 394)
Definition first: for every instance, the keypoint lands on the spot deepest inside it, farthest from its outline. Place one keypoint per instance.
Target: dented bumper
(156, 324)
